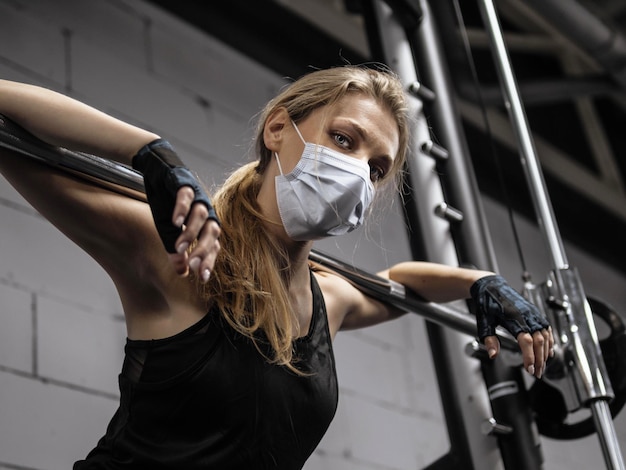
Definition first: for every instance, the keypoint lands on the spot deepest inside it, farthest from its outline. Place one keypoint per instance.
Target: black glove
(499, 304)
(164, 174)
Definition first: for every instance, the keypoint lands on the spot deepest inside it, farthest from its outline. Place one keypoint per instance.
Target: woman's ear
(273, 129)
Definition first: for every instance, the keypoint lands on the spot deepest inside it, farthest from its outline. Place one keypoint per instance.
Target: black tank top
(207, 399)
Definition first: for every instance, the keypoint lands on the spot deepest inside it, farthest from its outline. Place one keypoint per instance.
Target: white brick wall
(17, 336)
(62, 330)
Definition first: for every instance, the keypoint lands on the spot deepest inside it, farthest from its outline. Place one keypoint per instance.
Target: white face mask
(326, 194)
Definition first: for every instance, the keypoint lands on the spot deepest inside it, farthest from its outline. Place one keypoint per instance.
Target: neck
(297, 254)
(266, 199)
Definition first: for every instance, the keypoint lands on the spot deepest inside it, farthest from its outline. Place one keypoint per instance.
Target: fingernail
(531, 369)
(182, 247)
(205, 275)
(551, 352)
(492, 353)
(179, 221)
(194, 264)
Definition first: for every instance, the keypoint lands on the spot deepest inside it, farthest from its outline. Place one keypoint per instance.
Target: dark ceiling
(573, 90)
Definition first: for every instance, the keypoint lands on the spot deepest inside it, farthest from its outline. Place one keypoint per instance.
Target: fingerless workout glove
(164, 174)
(497, 303)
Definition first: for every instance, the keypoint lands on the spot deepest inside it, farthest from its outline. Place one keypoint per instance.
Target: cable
(490, 138)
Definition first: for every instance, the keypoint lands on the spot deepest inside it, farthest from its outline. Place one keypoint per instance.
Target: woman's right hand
(198, 228)
(182, 211)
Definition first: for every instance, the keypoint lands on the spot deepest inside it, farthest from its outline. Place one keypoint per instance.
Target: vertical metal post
(543, 207)
(520, 446)
(595, 385)
(467, 407)
(456, 373)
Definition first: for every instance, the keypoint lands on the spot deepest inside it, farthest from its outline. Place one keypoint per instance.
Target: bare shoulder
(349, 308)
(340, 297)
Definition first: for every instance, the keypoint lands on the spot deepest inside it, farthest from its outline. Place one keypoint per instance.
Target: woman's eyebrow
(370, 138)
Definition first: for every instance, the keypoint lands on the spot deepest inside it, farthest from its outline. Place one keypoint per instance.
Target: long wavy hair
(249, 284)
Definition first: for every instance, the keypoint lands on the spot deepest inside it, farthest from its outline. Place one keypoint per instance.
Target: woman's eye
(376, 173)
(342, 140)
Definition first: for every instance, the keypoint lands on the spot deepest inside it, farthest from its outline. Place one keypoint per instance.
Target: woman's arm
(496, 302)
(106, 225)
(435, 282)
(117, 231)
(431, 281)
(63, 121)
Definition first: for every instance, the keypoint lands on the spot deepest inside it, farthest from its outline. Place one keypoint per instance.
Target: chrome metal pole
(608, 438)
(599, 408)
(513, 103)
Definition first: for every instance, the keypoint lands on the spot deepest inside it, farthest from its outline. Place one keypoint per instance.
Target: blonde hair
(249, 284)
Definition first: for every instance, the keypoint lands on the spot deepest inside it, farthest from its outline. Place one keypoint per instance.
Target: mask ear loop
(280, 168)
(298, 131)
(300, 135)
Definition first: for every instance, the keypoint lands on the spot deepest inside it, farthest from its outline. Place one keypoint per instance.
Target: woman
(229, 360)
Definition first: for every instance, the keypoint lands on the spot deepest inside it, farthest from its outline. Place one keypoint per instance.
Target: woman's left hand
(499, 304)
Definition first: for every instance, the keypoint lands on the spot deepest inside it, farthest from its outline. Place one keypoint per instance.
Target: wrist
(159, 149)
(482, 281)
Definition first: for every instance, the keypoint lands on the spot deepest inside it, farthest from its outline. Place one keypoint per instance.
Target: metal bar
(430, 236)
(105, 172)
(608, 439)
(394, 294)
(591, 381)
(604, 43)
(127, 181)
(543, 206)
(472, 241)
